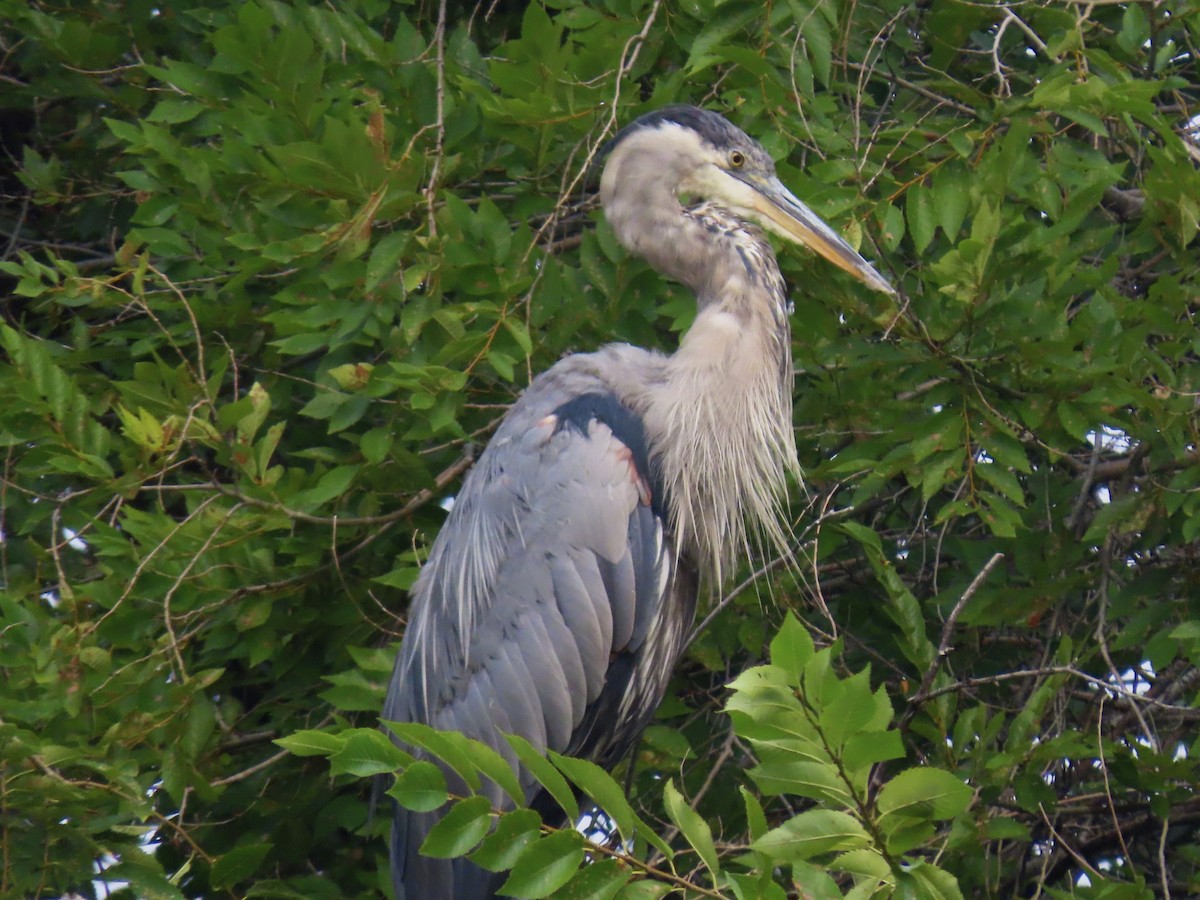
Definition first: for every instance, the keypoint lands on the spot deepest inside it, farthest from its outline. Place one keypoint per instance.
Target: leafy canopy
(273, 270)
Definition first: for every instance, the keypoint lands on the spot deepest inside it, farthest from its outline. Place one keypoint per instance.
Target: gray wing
(552, 605)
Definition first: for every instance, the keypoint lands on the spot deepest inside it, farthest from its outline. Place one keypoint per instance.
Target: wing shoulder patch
(578, 413)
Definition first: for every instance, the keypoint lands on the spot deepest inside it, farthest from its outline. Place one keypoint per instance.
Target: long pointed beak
(791, 219)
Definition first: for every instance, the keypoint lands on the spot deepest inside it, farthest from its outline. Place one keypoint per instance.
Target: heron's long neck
(721, 419)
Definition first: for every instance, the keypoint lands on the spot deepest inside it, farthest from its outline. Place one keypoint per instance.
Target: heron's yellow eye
(737, 159)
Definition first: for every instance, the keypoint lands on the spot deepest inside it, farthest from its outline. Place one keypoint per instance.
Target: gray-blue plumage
(526, 630)
(558, 596)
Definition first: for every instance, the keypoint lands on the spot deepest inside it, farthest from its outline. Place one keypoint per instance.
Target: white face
(740, 179)
(711, 180)
(760, 197)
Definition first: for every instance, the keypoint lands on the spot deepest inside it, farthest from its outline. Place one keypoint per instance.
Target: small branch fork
(943, 649)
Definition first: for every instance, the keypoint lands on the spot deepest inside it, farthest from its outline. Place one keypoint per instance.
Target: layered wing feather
(552, 605)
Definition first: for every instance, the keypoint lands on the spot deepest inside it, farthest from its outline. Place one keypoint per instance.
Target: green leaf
(862, 534)
(1001, 517)
(919, 207)
(460, 830)
(494, 766)
(812, 833)
(514, 832)
(951, 194)
(402, 577)
(600, 879)
(692, 827)
(904, 834)
(668, 740)
(1007, 451)
(384, 259)
(175, 111)
(311, 743)
(1122, 515)
(863, 750)
(545, 866)
(331, 485)
(520, 333)
(867, 862)
(1004, 828)
(1135, 30)
(892, 227)
(819, 43)
(367, 752)
(600, 787)
(348, 414)
(924, 794)
(421, 787)
(351, 376)
(926, 880)
(792, 647)
(237, 865)
(147, 881)
(449, 747)
(254, 615)
(644, 889)
(903, 608)
(201, 722)
(352, 692)
(1002, 480)
(375, 444)
(756, 819)
(548, 776)
(803, 778)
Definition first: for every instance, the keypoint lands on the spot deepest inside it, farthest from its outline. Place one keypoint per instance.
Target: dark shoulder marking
(626, 426)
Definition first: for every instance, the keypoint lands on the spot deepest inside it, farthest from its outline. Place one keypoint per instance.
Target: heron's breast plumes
(725, 441)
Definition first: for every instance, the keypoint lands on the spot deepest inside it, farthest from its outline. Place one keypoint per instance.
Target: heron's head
(684, 151)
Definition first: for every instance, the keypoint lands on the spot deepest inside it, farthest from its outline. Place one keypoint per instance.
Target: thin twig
(419, 499)
(1185, 712)
(629, 55)
(200, 376)
(141, 566)
(714, 767)
(943, 649)
(1034, 38)
(1102, 638)
(253, 770)
(1112, 807)
(923, 91)
(212, 536)
(762, 570)
(16, 232)
(1062, 842)
(1162, 858)
(439, 42)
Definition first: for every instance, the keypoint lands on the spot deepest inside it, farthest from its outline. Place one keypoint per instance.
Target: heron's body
(559, 594)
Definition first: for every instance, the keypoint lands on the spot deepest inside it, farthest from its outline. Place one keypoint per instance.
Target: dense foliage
(271, 273)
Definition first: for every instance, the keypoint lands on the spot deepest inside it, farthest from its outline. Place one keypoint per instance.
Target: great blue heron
(558, 594)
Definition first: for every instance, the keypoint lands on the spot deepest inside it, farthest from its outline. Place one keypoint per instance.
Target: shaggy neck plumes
(732, 378)
(720, 412)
